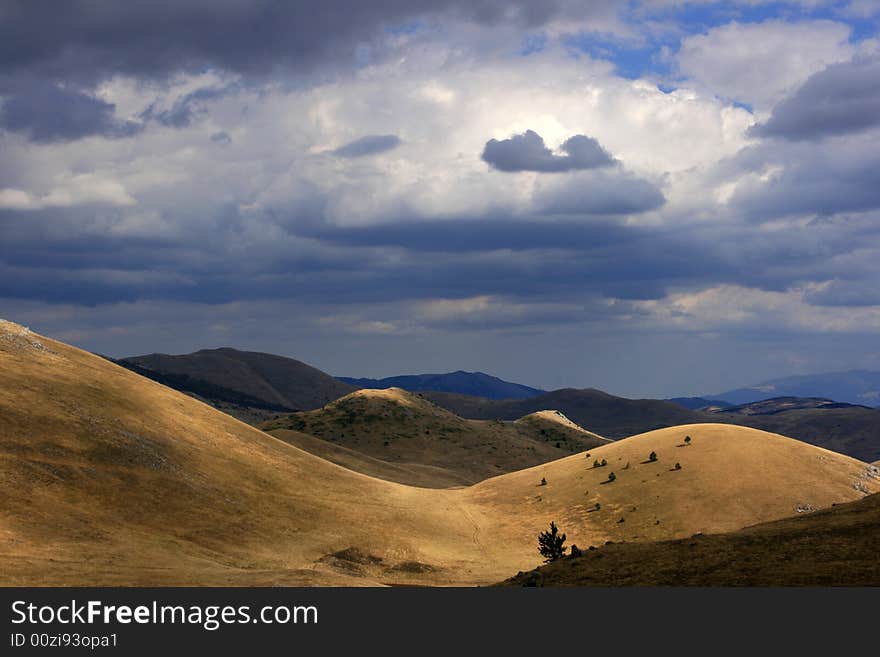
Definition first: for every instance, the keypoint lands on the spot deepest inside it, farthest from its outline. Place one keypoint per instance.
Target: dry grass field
(107, 478)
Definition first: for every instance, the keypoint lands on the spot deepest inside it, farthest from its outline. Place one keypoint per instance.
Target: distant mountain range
(699, 403)
(256, 387)
(607, 415)
(852, 386)
(476, 384)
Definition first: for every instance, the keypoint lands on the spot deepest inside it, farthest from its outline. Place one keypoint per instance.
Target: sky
(653, 198)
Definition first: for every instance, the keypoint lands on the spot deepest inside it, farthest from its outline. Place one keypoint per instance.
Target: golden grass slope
(107, 478)
(426, 444)
(730, 477)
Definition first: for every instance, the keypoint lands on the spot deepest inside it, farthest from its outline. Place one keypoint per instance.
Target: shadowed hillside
(832, 547)
(436, 447)
(607, 415)
(243, 378)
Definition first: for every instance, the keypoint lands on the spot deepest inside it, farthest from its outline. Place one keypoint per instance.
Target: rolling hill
(109, 478)
(475, 384)
(831, 547)
(242, 378)
(257, 387)
(716, 489)
(430, 445)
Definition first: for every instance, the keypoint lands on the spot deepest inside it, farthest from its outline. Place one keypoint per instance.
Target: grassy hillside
(832, 547)
(108, 478)
(729, 477)
(407, 430)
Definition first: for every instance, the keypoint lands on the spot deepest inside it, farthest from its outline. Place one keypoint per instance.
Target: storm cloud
(527, 152)
(840, 100)
(46, 112)
(319, 181)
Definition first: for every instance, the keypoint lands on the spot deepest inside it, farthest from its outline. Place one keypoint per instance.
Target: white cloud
(70, 191)
(734, 307)
(759, 63)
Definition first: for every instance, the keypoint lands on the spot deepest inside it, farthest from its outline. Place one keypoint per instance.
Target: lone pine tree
(551, 544)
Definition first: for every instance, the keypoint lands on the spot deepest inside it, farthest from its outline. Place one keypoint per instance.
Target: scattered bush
(598, 506)
(652, 457)
(543, 481)
(687, 440)
(551, 544)
(611, 476)
(678, 466)
(604, 462)
(596, 464)
(575, 551)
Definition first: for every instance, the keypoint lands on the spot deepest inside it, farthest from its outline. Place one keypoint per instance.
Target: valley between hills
(111, 477)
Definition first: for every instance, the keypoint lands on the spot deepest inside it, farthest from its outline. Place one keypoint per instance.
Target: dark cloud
(221, 138)
(812, 182)
(601, 194)
(368, 145)
(80, 43)
(527, 152)
(46, 112)
(845, 293)
(90, 40)
(842, 99)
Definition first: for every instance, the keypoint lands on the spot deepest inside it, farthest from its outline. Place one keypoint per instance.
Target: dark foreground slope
(832, 547)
